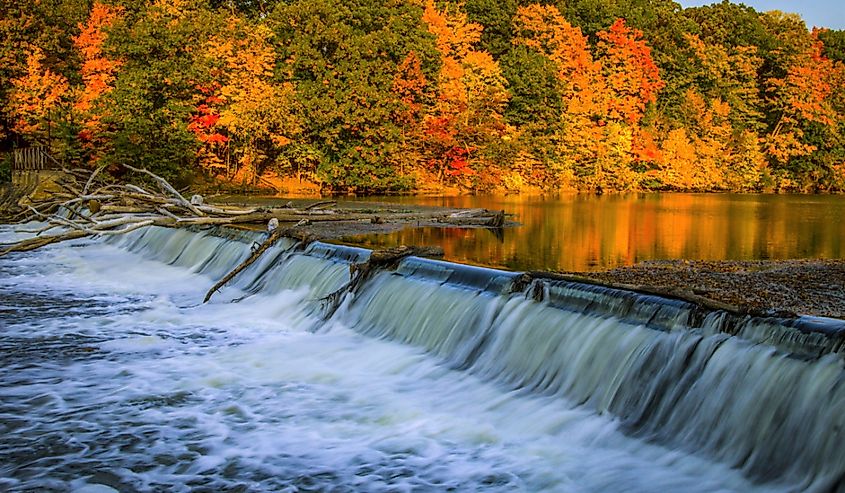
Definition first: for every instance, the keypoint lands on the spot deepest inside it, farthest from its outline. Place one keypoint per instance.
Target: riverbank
(805, 287)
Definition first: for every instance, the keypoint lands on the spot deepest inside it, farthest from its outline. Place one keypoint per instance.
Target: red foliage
(204, 120)
(633, 79)
(456, 162)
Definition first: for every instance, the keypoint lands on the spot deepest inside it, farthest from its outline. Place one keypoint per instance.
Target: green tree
(147, 113)
(342, 58)
(834, 44)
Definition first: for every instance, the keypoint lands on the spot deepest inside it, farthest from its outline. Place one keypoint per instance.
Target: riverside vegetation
(363, 96)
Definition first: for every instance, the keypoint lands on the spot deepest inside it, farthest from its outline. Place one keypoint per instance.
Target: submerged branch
(275, 235)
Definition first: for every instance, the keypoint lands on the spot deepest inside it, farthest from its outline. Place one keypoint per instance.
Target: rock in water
(272, 224)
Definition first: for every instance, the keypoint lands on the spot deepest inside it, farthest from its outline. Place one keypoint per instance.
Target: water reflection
(585, 232)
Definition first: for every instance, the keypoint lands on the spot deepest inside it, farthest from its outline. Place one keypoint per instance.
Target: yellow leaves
(251, 106)
(175, 9)
(720, 108)
(244, 49)
(483, 80)
(783, 146)
(471, 96)
(678, 161)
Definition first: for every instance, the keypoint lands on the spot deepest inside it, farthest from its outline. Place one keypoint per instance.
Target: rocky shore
(804, 287)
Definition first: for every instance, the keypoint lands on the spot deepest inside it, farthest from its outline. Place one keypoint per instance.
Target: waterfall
(760, 394)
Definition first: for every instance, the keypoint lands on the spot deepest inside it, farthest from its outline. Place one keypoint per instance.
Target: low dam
(430, 376)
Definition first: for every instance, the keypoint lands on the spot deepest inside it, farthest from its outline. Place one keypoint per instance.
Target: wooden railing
(35, 158)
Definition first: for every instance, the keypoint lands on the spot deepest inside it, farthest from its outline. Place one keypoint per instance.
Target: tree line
(377, 96)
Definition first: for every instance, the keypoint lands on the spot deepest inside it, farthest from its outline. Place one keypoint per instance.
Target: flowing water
(432, 377)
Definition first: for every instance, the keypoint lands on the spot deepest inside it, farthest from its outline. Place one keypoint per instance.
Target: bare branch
(168, 187)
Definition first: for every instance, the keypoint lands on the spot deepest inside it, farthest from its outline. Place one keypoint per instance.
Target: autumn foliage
(388, 96)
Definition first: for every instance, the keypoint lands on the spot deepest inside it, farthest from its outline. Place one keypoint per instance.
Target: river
(585, 232)
(114, 376)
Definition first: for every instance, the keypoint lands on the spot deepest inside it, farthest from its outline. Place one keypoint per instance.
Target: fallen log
(386, 259)
(42, 241)
(476, 217)
(168, 188)
(92, 203)
(256, 254)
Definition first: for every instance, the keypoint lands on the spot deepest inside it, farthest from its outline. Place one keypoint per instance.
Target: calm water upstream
(585, 232)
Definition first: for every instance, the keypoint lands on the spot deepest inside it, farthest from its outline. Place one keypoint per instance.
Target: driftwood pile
(94, 204)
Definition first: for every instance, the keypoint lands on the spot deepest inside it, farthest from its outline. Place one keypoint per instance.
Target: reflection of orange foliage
(580, 232)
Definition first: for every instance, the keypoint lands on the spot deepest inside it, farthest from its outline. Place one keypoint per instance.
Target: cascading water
(431, 377)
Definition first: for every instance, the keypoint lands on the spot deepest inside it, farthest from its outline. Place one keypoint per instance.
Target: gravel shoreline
(804, 287)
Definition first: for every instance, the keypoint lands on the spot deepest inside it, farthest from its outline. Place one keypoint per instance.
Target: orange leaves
(92, 34)
(471, 94)
(807, 86)
(410, 80)
(804, 95)
(784, 145)
(645, 148)
(98, 71)
(616, 85)
(245, 49)
(409, 84)
(242, 110)
(633, 79)
(455, 35)
(457, 162)
(35, 95)
(679, 162)
(605, 96)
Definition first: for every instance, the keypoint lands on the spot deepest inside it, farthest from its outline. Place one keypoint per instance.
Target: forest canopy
(394, 95)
